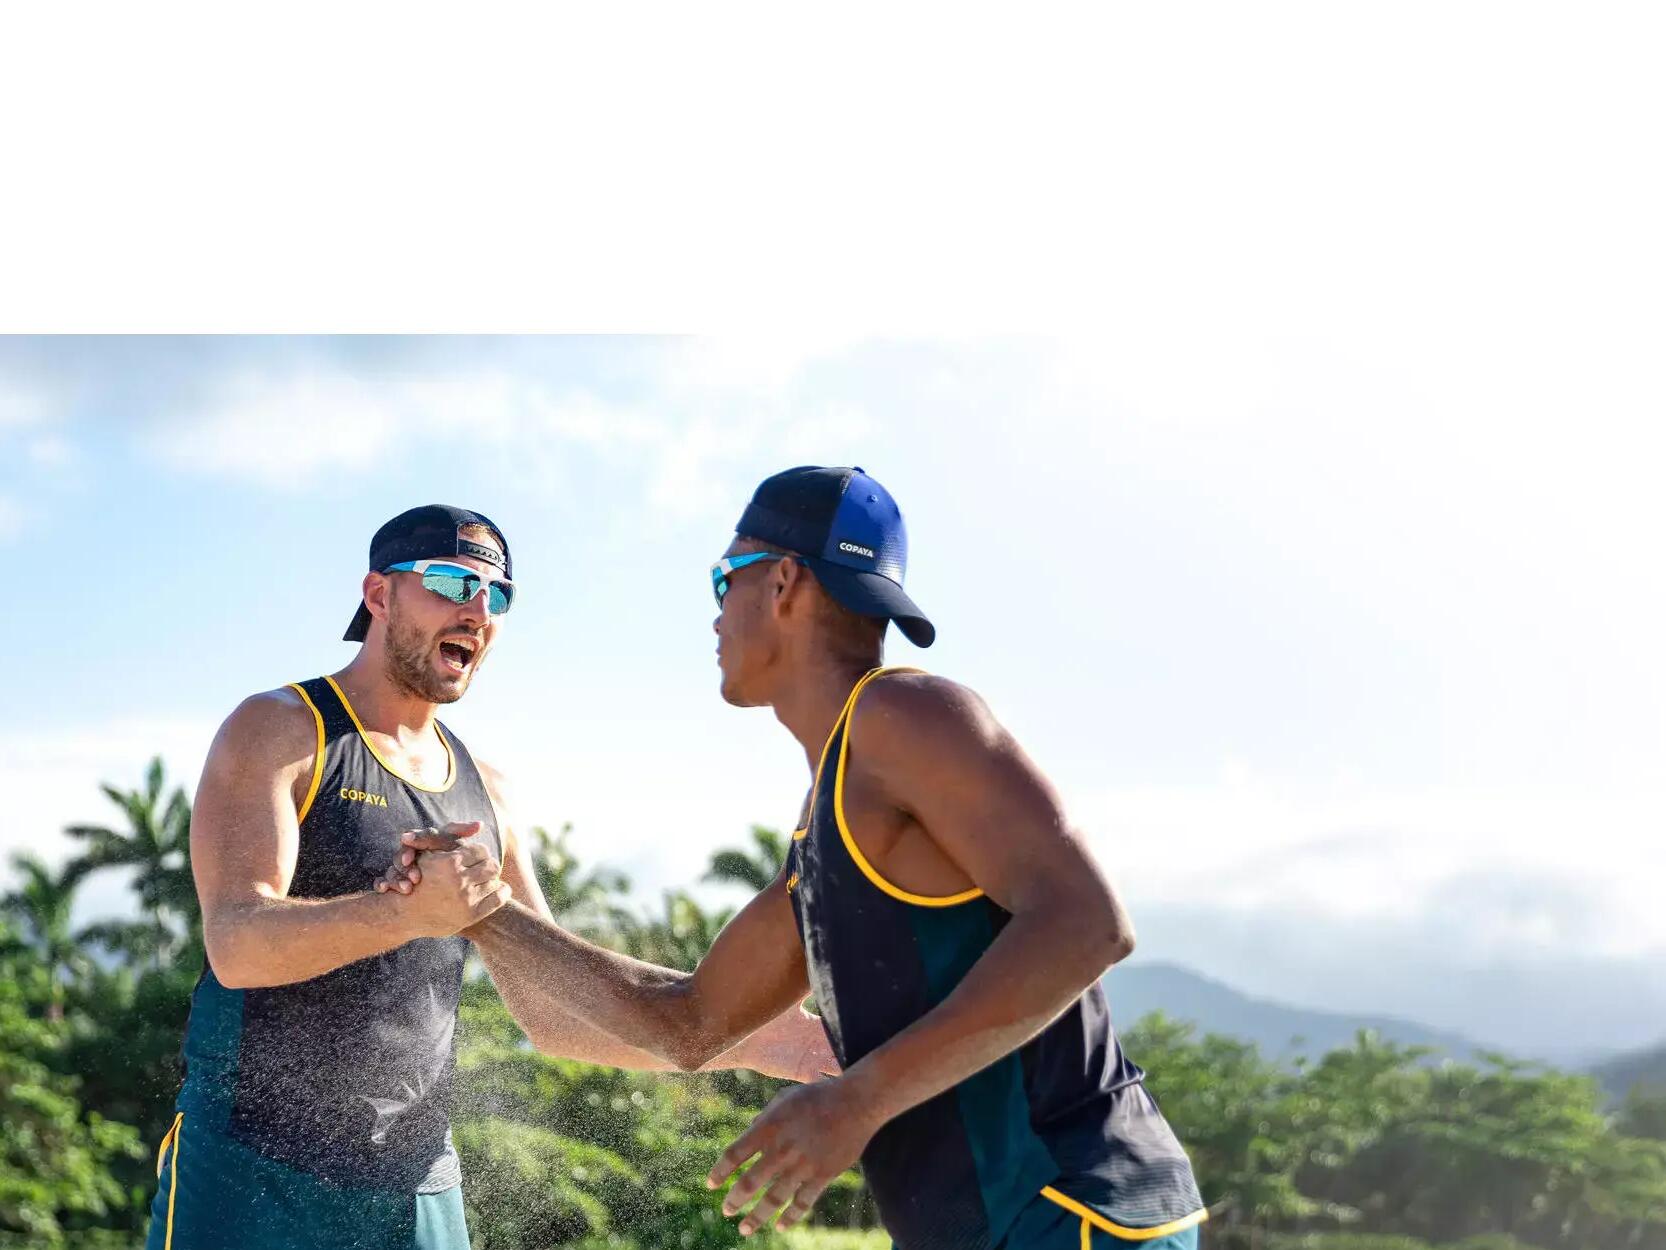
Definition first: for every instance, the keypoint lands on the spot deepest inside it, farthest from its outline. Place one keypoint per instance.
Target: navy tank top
(346, 1076)
(1065, 1119)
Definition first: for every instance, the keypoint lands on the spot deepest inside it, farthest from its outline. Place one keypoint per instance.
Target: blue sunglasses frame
(458, 583)
(729, 564)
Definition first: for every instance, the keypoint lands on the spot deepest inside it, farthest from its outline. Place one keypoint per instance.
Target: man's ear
(377, 590)
(784, 580)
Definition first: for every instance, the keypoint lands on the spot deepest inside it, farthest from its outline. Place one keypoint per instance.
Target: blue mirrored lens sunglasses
(459, 583)
(728, 564)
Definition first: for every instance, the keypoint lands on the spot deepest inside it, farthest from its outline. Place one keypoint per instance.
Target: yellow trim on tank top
(162, 1150)
(450, 759)
(815, 786)
(854, 851)
(317, 758)
(1090, 1216)
(177, 1135)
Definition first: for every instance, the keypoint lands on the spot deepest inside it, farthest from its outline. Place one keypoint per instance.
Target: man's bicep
(755, 969)
(245, 830)
(517, 865)
(987, 806)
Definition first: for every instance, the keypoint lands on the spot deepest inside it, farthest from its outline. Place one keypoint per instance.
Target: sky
(1342, 647)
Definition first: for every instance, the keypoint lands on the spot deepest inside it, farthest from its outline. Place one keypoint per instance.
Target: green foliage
(832, 1239)
(530, 1187)
(589, 902)
(56, 1157)
(1344, 1241)
(1643, 1113)
(1370, 1142)
(1368, 1148)
(755, 869)
(1230, 1107)
(40, 907)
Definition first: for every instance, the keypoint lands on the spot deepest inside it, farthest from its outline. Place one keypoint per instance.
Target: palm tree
(680, 936)
(755, 868)
(587, 901)
(41, 905)
(157, 842)
(135, 942)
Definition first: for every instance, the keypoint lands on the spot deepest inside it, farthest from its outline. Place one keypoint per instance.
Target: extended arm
(753, 974)
(567, 1002)
(244, 840)
(545, 976)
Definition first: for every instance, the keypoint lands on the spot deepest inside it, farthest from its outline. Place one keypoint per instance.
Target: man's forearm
(1034, 970)
(550, 1028)
(280, 941)
(791, 1046)
(555, 973)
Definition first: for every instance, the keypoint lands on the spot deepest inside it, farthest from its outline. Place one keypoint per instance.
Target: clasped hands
(459, 874)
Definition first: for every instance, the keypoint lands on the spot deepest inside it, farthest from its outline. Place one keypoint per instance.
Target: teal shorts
(214, 1193)
(1045, 1224)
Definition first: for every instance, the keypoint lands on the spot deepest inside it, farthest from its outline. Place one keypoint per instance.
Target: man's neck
(382, 705)
(813, 693)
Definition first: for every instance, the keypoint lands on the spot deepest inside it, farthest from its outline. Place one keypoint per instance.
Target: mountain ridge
(1282, 1031)
(1643, 1066)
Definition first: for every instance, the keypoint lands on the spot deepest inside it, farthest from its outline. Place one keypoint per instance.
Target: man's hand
(405, 873)
(463, 885)
(803, 1140)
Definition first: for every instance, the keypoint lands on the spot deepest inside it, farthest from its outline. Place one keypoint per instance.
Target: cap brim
(869, 594)
(359, 626)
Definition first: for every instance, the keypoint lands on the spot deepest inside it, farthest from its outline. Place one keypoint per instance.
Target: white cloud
(707, 405)
(1365, 856)
(19, 407)
(50, 452)
(23, 411)
(277, 430)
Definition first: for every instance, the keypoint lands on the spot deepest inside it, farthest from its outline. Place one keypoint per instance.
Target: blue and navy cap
(426, 533)
(849, 531)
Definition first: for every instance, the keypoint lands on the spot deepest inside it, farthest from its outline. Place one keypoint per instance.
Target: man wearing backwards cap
(319, 1050)
(938, 903)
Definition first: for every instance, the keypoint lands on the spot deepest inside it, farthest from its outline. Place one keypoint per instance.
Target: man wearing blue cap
(938, 903)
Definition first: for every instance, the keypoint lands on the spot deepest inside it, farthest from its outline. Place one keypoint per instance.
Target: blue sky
(1342, 644)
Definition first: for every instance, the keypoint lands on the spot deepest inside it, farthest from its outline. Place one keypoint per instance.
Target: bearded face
(433, 647)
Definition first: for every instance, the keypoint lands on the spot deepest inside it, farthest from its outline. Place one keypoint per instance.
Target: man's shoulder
(921, 700)
(271, 726)
(902, 712)
(497, 785)
(281, 704)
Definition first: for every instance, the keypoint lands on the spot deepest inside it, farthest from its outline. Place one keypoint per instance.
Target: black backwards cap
(849, 531)
(426, 533)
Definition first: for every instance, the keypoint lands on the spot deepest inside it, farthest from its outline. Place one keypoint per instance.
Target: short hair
(850, 634)
(475, 532)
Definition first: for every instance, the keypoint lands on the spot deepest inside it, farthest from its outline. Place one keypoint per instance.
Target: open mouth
(457, 654)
